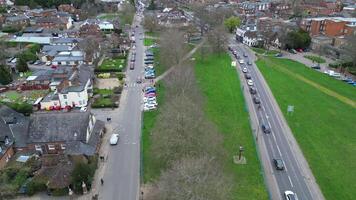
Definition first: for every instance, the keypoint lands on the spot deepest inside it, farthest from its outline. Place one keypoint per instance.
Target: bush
(10, 29)
(60, 192)
(23, 108)
(35, 186)
(99, 70)
(117, 90)
(104, 75)
(84, 172)
(5, 75)
(120, 76)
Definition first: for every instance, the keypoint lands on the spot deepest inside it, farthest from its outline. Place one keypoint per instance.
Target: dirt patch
(108, 83)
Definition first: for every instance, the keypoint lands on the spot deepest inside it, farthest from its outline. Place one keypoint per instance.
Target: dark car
(279, 55)
(230, 48)
(245, 55)
(316, 66)
(247, 76)
(253, 90)
(256, 100)
(237, 56)
(249, 63)
(278, 163)
(266, 129)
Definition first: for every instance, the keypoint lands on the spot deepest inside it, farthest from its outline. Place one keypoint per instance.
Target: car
(146, 99)
(31, 62)
(37, 62)
(229, 48)
(151, 103)
(150, 92)
(244, 70)
(114, 139)
(316, 66)
(278, 163)
(132, 65)
(150, 95)
(150, 66)
(245, 55)
(247, 76)
(149, 59)
(300, 50)
(237, 56)
(278, 55)
(293, 51)
(256, 100)
(249, 82)
(148, 107)
(48, 63)
(241, 61)
(83, 109)
(138, 81)
(234, 52)
(148, 62)
(253, 90)
(266, 129)
(249, 63)
(289, 195)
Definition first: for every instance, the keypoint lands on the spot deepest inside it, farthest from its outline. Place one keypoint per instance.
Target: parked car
(241, 61)
(289, 195)
(229, 48)
(266, 129)
(48, 63)
(245, 55)
(132, 65)
(149, 62)
(316, 66)
(234, 52)
(150, 95)
(148, 107)
(249, 82)
(249, 63)
(293, 51)
(83, 109)
(247, 76)
(146, 99)
(300, 50)
(256, 100)
(244, 70)
(278, 55)
(253, 90)
(278, 163)
(37, 62)
(114, 139)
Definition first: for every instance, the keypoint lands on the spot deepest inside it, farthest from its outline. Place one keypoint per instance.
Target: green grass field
(151, 169)
(316, 59)
(323, 125)
(113, 64)
(225, 107)
(148, 41)
(108, 16)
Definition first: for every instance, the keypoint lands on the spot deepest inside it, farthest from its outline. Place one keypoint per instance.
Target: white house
(250, 38)
(106, 26)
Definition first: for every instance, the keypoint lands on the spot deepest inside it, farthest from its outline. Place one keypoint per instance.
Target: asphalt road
(280, 143)
(122, 173)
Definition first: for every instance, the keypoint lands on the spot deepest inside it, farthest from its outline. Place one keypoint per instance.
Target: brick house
(74, 133)
(13, 128)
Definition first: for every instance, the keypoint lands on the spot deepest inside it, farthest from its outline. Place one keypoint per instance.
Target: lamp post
(241, 149)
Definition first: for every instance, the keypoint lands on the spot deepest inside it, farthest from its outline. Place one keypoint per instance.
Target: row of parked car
(150, 72)
(149, 98)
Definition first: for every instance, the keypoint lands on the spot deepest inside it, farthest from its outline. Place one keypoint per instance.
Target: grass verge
(265, 51)
(316, 59)
(226, 108)
(148, 41)
(151, 169)
(322, 124)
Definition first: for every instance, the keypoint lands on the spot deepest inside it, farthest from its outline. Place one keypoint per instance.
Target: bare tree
(351, 48)
(90, 46)
(218, 39)
(194, 179)
(150, 23)
(173, 47)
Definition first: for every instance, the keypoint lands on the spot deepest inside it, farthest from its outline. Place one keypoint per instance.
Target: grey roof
(51, 96)
(43, 75)
(58, 126)
(18, 132)
(16, 18)
(56, 47)
(33, 30)
(65, 40)
(68, 58)
(79, 148)
(79, 79)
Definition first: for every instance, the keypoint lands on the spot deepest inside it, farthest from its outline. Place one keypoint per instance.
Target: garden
(106, 98)
(112, 65)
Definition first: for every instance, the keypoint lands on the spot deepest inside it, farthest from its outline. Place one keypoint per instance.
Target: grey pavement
(281, 143)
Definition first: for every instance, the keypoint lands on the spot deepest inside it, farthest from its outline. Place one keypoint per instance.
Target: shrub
(120, 76)
(23, 108)
(84, 172)
(98, 70)
(60, 192)
(104, 75)
(10, 29)
(117, 90)
(35, 186)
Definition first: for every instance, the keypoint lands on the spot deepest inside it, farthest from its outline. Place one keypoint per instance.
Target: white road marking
(279, 151)
(290, 180)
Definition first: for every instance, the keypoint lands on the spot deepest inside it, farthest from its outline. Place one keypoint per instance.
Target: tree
(351, 48)
(90, 46)
(152, 5)
(218, 39)
(231, 23)
(194, 178)
(173, 47)
(150, 23)
(5, 75)
(298, 39)
(21, 65)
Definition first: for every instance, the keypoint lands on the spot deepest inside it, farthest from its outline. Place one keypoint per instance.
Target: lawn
(323, 124)
(103, 91)
(265, 51)
(151, 169)
(148, 41)
(24, 96)
(108, 16)
(316, 59)
(112, 65)
(225, 106)
(158, 67)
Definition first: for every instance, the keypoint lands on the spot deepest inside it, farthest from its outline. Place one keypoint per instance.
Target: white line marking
(290, 180)
(279, 151)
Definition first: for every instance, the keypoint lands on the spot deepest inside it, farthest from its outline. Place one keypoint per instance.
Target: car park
(266, 129)
(114, 139)
(289, 195)
(247, 76)
(249, 82)
(244, 70)
(256, 100)
(278, 163)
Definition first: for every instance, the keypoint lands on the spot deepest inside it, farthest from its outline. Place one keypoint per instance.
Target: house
(69, 133)
(170, 17)
(54, 22)
(71, 58)
(250, 38)
(76, 92)
(17, 21)
(13, 128)
(48, 52)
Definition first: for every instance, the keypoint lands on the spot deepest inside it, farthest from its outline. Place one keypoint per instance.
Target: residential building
(18, 21)
(329, 26)
(71, 58)
(48, 52)
(250, 38)
(54, 22)
(65, 41)
(73, 133)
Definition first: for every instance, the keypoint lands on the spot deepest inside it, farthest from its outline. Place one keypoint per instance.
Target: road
(122, 172)
(280, 143)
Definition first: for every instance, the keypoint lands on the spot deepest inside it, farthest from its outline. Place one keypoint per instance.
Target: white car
(290, 195)
(241, 61)
(114, 139)
(244, 70)
(249, 82)
(83, 109)
(150, 66)
(151, 103)
(48, 63)
(148, 107)
(146, 99)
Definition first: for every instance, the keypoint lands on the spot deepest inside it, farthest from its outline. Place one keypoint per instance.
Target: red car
(150, 95)
(300, 50)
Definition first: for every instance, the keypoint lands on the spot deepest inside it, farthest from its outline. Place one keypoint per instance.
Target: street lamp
(241, 149)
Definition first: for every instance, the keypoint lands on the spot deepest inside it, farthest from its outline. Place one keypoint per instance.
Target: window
(63, 146)
(51, 147)
(38, 148)
(65, 96)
